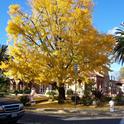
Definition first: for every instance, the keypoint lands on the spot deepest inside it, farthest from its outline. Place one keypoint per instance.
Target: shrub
(75, 99)
(27, 91)
(24, 99)
(18, 92)
(119, 100)
(86, 100)
(69, 92)
(4, 84)
(52, 94)
(106, 98)
(98, 94)
(1, 94)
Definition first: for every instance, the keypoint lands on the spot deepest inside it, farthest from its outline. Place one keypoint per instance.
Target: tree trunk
(61, 96)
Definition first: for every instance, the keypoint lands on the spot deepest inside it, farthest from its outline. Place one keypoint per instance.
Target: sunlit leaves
(13, 9)
(52, 38)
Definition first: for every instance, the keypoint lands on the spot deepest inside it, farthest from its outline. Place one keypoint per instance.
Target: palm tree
(3, 55)
(4, 82)
(119, 47)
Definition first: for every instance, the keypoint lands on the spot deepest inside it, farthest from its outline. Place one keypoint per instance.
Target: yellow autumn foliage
(13, 9)
(49, 41)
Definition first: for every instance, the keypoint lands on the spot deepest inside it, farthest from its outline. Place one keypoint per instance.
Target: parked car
(10, 110)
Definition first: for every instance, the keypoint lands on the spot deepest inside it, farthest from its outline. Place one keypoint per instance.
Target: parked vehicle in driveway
(10, 110)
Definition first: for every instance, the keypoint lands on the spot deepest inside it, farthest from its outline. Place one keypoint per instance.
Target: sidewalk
(85, 114)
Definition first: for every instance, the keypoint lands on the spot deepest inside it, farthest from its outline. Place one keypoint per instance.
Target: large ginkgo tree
(53, 37)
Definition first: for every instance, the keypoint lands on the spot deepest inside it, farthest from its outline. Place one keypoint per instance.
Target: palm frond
(119, 47)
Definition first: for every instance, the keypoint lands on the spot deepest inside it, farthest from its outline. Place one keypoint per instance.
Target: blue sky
(4, 17)
(107, 14)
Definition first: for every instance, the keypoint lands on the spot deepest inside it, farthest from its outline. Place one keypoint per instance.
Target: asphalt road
(35, 118)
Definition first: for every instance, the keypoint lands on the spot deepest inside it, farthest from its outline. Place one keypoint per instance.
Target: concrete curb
(80, 114)
(91, 118)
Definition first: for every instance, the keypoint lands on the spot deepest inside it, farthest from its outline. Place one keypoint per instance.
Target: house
(101, 82)
(120, 84)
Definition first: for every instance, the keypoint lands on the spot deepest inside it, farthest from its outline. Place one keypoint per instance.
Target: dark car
(10, 110)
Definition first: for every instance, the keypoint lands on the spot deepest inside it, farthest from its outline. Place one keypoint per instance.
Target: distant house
(120, 84)
(101, 82)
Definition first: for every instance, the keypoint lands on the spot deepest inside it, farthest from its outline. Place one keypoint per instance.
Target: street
(35, 118)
